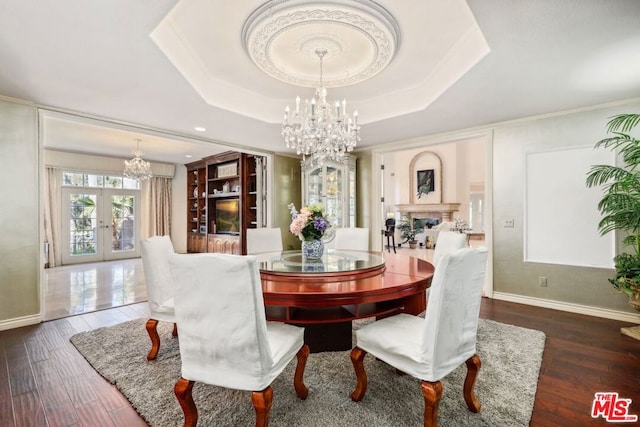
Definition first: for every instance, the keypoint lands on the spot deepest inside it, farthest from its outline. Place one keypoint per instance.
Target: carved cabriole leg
(175, 330)
(155, 338)
(298, 379)
(473, 366)
(182, 390)
(432, 392)
(262, 401)
(357, 358)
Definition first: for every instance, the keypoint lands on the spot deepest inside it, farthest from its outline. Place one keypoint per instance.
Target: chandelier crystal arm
(319, 130)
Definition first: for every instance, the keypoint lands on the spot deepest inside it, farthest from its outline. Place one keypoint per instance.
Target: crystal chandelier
(137, 168)
(319, 130)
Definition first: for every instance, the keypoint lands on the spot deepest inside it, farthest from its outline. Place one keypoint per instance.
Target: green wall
(364, 182)
(19, 212)
(286, 189)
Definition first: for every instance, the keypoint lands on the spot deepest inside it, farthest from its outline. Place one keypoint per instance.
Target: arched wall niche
(427, 205)
(426, 163)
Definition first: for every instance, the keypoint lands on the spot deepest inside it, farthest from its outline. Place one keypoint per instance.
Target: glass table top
(332, 261)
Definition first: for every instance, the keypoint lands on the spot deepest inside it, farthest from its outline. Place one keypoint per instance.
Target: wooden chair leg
(357, 359)
(175, 330)
(298, 379)
(473, 367)
(262, 401)
(432, 392)
(182, 390)
(152, 325)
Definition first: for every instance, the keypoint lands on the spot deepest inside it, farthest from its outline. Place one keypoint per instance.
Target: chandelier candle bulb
(322, 131)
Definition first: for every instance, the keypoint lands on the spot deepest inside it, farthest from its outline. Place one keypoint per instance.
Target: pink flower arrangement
(310, 223)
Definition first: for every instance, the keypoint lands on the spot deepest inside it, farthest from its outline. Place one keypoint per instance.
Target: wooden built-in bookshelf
(223, 201)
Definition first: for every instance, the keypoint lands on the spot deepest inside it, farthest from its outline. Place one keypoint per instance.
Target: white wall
(584, 285)
(462, 164)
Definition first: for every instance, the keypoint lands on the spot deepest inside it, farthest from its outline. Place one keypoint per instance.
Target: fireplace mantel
(424, 210)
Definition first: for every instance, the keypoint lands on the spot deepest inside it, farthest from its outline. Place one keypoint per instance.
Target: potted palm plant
(620, 204)
(409, 228)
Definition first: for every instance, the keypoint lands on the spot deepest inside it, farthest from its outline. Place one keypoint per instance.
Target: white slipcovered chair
(156, 252)
(431, 348)
(448, 241)
(261, 240)
(352, 239)
(225, 339)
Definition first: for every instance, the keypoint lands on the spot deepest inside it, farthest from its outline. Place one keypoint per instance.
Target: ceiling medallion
(360, 37)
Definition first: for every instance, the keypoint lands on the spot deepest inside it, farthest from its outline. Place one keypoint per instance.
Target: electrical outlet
(509, 223)
(543, 281)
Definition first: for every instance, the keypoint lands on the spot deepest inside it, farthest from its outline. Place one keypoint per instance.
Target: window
(78, 179)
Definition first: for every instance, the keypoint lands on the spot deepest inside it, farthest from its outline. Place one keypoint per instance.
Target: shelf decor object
(229, 169)
(137, 168)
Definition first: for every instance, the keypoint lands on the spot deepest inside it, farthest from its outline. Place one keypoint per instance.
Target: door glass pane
(130, 184)
(476, 214)
(122, 223)
(112, 182)
(334, 194)
(75, 179)
(82, 224)
(315, 186)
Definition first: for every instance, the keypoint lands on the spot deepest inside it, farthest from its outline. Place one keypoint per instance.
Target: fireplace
(442, 211)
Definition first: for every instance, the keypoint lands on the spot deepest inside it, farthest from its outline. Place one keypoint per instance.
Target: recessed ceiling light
(200, 129)
(188, 156)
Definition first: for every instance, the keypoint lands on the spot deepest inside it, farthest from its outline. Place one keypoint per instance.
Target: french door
(99, 224)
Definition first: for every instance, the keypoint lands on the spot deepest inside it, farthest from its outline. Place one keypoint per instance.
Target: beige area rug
(506, 387)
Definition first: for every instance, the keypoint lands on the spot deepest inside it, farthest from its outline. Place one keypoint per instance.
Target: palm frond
(623, 122)
(612, 141)
(601, 174)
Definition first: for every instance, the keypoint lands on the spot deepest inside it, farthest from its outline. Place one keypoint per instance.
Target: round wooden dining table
(325, 295)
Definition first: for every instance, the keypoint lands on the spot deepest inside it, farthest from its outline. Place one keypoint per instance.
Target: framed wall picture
(425, 180)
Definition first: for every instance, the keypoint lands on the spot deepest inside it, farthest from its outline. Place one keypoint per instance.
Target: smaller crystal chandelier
(137, 168)
(319, 130)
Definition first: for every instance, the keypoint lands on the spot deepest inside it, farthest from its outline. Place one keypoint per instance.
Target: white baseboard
(570, 307)
(19, 322)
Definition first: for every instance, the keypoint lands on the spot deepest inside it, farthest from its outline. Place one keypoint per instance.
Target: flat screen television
(228, 216)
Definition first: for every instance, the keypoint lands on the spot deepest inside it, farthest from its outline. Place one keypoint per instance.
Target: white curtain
(156, 207)
(52, 224)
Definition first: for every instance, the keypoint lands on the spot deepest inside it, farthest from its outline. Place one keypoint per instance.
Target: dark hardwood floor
(44, 381)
